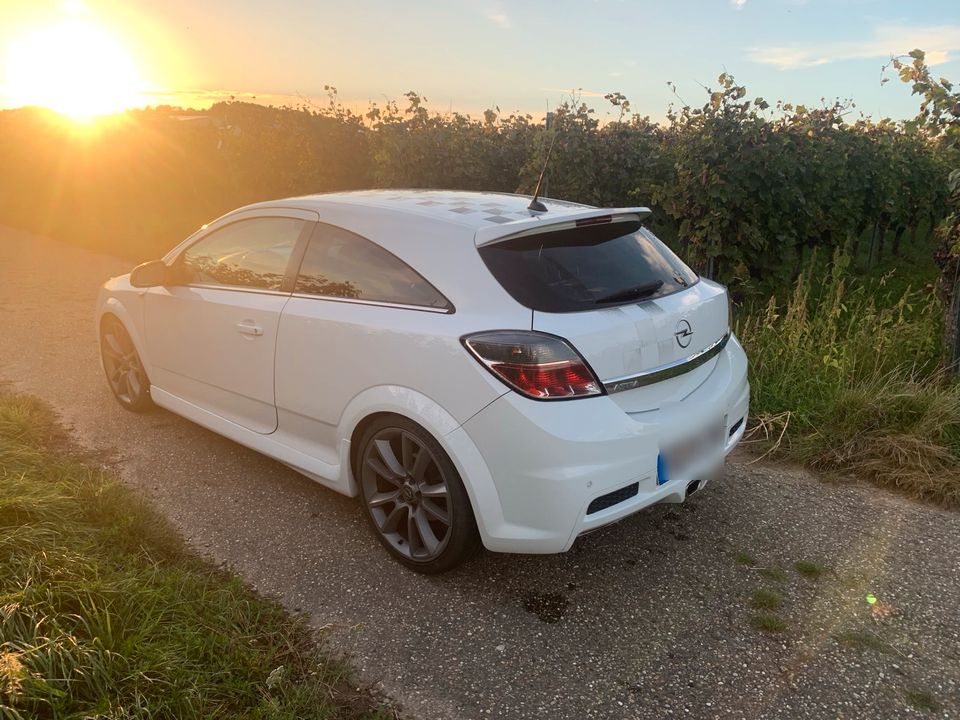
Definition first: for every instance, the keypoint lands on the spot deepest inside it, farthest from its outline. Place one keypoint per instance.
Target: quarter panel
(329, 353)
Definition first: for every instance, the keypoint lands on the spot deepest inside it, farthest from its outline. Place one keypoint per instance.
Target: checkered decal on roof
(484, 207)
(492, 211)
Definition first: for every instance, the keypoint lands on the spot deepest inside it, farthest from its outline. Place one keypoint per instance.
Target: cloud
(499, 17)
(738, 4)
(938, 41)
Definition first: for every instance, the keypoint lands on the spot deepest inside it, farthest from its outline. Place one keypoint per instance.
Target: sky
(524, 55)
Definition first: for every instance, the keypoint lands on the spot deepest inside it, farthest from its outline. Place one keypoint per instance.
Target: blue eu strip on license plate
(662, 475)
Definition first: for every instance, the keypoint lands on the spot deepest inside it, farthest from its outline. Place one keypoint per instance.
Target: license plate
(678, 457)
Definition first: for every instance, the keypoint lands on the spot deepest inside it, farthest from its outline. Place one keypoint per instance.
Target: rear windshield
(586, 268)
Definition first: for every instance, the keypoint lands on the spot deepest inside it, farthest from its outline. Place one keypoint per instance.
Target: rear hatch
(646, 323)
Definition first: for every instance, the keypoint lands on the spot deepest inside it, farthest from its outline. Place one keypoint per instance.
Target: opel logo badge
(683, 333)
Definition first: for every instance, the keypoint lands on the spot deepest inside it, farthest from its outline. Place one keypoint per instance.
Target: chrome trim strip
(376, 303)
(235, 288)
(670, 370)
(307, 296)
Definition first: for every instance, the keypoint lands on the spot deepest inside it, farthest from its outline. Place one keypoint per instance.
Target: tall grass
(103, 614)
(848, 380)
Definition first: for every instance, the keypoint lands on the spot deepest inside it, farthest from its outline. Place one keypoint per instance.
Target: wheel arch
(412, 405)
(357, 434)
(112, 306)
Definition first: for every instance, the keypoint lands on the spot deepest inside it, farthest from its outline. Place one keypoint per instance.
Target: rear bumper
(533, 468)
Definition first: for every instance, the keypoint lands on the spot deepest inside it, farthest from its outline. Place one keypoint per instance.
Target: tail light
(539, 366)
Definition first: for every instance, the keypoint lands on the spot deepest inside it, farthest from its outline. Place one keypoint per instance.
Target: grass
(768, 622)
(745, 558)
(809, 569)
(766, 599)
(104, 613)
(846, 379)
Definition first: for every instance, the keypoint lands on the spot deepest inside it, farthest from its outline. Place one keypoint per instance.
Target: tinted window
(250, 253)
(587, 267)
(339, 263)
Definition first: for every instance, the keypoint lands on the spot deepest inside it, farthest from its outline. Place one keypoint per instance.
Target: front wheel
(415, 500)
(125, 374)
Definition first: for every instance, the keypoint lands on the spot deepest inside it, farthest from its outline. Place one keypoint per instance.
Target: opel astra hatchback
(474, 370)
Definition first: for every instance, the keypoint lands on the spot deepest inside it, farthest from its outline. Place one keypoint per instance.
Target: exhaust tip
(693, 487)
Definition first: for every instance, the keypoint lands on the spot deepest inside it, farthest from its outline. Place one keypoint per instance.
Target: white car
(474, 369)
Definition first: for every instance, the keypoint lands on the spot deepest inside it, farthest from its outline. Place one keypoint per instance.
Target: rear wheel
(125, 374)
(415, 500)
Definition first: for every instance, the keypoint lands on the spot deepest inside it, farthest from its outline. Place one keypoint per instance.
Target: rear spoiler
(541, 223)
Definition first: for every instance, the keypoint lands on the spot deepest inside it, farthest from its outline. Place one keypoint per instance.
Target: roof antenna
(535, 204)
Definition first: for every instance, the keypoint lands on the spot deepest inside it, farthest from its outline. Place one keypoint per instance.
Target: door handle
(248, 328)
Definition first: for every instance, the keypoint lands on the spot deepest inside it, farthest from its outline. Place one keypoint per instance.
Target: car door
(211, 336)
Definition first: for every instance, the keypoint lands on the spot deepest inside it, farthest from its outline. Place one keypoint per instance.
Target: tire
(125, 373)
(413, 496)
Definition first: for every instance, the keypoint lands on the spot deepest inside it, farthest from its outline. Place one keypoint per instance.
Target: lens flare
(76, 68)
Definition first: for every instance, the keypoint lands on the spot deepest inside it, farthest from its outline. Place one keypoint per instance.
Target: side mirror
(150, 274)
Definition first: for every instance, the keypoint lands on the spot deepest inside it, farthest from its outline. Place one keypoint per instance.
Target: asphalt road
(648, 618)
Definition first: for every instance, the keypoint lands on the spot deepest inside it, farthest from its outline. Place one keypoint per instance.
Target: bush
(744, 189)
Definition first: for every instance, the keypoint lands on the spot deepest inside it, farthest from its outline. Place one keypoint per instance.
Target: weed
(766, 599)
(744, 558)
(847, 380)
(768, 622)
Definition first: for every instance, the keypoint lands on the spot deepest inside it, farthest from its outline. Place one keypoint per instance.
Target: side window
(339, 263)
(250, 253)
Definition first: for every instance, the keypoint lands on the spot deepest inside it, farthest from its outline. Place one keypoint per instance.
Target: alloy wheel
(406, 494)
(122, 364)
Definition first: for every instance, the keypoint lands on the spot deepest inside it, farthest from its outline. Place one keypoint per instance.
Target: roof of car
(473, 209)
(490, 215)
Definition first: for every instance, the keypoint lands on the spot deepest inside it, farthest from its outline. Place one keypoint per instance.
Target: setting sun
(75, 67)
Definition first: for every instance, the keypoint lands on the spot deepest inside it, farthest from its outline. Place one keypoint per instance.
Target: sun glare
(76, 68)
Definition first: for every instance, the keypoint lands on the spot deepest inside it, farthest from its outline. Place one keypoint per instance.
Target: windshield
(586, 268)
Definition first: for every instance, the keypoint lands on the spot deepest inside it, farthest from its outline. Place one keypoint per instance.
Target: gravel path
(648, 618)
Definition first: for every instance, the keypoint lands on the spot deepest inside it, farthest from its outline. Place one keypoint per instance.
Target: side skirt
(317, 470)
